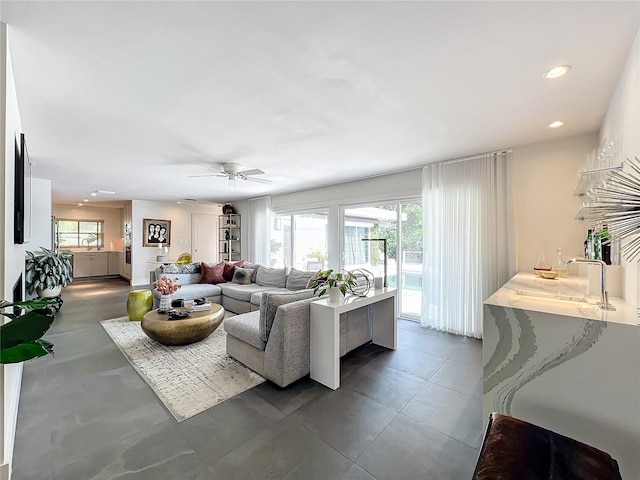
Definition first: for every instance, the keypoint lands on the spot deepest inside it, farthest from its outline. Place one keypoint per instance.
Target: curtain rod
(471, 157)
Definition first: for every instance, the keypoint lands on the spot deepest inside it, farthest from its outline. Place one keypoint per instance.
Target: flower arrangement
(167, 286)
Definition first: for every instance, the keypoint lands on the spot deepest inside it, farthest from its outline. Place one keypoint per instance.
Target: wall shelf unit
(591, 178)
(229, 244)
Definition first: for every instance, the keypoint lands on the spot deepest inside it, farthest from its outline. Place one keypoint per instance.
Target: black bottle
(227, 235)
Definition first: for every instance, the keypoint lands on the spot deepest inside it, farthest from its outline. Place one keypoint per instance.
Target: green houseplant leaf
(20, 339)
(326, 279)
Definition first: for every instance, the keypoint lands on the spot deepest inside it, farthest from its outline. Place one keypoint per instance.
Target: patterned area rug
(187, 379)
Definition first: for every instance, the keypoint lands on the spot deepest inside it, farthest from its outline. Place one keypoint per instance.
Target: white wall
(11, 255)
(180, 217)
(623, 121)
(544, 177)
(40, 215)
(112, 220)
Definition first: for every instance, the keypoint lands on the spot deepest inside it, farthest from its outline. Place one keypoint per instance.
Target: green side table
(139, 303)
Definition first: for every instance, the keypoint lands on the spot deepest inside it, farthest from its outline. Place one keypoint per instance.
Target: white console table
(325, 330)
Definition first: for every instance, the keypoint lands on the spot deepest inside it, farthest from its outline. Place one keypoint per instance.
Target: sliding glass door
(410, 288)
(400, 224)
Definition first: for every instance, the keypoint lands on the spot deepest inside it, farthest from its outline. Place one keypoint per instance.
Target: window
(80, 233)
(299, 240)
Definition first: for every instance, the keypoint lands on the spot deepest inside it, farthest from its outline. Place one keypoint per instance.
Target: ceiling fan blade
(211, 167)
(258, 180)
(209, 175)
(255, 171)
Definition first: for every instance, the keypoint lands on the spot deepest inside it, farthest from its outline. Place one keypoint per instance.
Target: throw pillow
(271, 277)
(252, 266)
(298, 279)
(242, 276)
(228, 269)
(186, 268)
(212, 273)
(269, 305)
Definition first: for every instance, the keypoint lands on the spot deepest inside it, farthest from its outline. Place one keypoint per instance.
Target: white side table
(325, 330)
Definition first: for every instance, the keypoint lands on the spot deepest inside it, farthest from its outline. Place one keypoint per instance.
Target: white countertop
(102, 250)
(562, 296)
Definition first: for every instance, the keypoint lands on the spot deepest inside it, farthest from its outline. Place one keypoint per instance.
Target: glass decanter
(561, 265)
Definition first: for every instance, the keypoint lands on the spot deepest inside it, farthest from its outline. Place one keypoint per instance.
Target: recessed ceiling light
(85, 200)
(93, 194)
(556, 124)
(80, 204)
(557, 71)
(179, 201)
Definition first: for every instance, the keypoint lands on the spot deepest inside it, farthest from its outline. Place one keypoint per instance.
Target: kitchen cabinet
(90, 264)
(114, 263)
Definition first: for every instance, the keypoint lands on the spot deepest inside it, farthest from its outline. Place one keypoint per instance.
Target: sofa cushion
(183, 278)
(245, 327)
(256, 298)
(229, 268)
(194, 290)
(271, 277)
(185, 268)
(271, 302)
(241, 292)
(242, 276)
(212, 273)
(298, 279)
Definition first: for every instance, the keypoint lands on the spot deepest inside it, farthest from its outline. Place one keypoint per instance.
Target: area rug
(187, 379)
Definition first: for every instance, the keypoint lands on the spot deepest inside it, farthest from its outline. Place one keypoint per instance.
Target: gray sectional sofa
(234, 297)
(275, 340)
(271, 331)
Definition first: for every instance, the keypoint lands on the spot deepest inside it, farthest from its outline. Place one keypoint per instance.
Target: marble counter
(553, 358)
(562, 296)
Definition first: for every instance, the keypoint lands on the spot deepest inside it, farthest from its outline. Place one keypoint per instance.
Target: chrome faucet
(604, 295)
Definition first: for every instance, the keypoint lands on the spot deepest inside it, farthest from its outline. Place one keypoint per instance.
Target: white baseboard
(12, 383)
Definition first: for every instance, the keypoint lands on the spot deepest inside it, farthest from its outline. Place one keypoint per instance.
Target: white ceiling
(134, 96)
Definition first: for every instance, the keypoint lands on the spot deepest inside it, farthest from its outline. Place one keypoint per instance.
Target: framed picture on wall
(156, 232)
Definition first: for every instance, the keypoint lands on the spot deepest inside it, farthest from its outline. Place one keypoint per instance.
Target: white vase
(49, 292)
(334, 295)
(165, 303)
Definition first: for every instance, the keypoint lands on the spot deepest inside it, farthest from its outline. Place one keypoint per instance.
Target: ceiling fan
(233, 171)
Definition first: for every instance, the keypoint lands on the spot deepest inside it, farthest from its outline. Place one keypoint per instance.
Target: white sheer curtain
(468, 252)
(259, 232)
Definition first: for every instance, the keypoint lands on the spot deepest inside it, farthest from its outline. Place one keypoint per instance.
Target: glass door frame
(400, 248)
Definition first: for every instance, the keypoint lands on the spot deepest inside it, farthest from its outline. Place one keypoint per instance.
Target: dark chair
(516, 450)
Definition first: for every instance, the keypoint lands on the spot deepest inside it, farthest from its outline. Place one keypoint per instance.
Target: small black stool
(516, 450)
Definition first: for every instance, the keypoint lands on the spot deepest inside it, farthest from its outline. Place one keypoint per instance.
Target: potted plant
(334, 282)
(47, 273)
(20, 339)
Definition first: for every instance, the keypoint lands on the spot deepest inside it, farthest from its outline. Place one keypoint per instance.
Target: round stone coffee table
(196, 327)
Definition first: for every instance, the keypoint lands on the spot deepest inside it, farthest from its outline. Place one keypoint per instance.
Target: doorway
(204, 232)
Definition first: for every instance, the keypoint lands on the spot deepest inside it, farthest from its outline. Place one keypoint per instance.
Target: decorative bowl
(178, 313)
(548, 274)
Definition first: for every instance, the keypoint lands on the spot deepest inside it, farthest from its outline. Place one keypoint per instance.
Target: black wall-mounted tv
(22, 193)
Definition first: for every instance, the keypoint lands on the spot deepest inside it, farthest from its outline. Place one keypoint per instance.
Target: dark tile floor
(413, 413)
